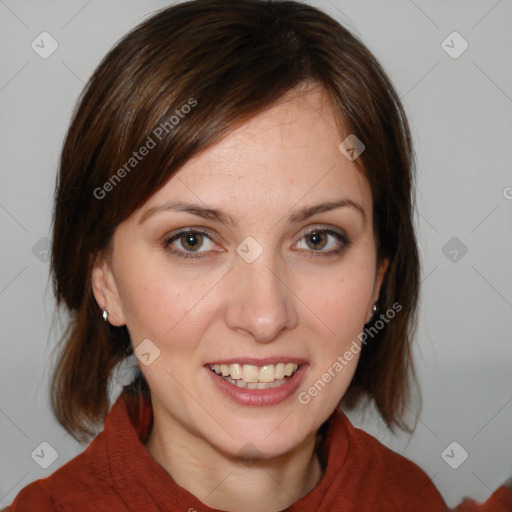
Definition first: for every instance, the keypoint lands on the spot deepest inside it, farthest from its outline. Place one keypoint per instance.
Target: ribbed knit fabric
(117, 474)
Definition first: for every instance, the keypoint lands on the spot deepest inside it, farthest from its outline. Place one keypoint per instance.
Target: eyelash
(187, 255)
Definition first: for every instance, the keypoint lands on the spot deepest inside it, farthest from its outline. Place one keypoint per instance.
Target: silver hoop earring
(375, 308)
(105, 315)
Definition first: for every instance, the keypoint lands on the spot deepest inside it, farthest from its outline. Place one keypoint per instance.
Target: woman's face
(262, 287)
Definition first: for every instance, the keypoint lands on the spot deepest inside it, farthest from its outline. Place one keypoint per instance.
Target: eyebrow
(222, 217)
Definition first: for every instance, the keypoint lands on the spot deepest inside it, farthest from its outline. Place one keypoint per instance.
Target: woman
(234, 206)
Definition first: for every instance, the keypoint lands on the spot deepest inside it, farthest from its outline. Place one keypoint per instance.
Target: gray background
(461, 115)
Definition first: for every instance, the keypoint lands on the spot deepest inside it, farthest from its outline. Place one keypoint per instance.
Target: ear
(380, 273)
(105, 290)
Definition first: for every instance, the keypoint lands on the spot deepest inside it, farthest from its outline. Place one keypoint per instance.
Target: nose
(261, 304)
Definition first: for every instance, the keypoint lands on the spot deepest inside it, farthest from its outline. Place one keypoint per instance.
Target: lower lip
(259, 397)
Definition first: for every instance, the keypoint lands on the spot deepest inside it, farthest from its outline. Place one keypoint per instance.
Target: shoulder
(499, 501)
(89, 480)
(79, 482)
(395, 480)
(35, 496)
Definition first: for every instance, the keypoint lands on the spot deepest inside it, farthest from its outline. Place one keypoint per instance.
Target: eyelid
(213, 236)
(342, 239)
(176, 234)
(321, 227)
(338, 233)
(194, 229)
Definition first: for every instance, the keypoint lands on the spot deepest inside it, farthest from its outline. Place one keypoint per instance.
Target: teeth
(289, 369)
(280, 370)
(255, 385)
(235, 370)
(254, 377)
(250, 373)
(267, 373)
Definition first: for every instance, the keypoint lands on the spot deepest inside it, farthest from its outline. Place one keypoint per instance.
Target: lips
(268, 382)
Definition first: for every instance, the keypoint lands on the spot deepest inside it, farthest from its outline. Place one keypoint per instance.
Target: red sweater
(116, 473)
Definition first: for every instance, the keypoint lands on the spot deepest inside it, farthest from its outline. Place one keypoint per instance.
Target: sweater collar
(145, 485)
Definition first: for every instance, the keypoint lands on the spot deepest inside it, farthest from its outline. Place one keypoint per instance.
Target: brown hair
(234, 59)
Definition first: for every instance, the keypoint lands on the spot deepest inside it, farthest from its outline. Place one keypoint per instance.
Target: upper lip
(259, 361)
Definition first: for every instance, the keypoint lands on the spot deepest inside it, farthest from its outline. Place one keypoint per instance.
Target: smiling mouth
(248, 376)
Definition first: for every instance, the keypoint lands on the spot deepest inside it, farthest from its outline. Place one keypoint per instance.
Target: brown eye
(191, 241)
(318, 239)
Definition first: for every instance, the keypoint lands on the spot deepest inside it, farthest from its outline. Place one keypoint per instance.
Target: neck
(228, 483)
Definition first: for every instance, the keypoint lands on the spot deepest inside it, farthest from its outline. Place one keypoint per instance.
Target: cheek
(168, 306)
(342, 301)
(151, 302)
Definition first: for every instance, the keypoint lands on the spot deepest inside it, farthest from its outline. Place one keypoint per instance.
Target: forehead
(287, 155)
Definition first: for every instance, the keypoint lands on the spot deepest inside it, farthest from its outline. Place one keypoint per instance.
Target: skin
(290, 301)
